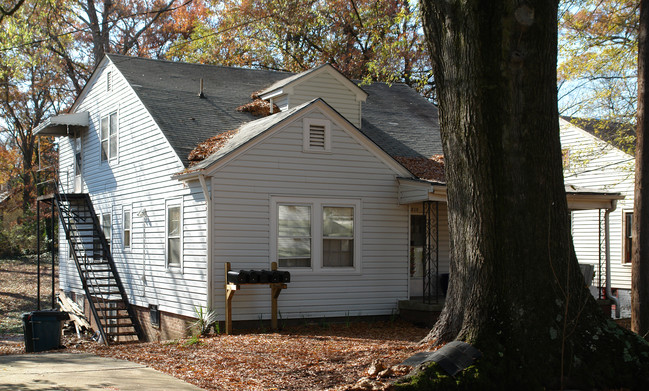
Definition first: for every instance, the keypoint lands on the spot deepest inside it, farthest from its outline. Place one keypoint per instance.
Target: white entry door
(78, 166)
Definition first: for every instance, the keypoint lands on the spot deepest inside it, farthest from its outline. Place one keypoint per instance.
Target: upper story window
(317, 135)
(316, 234)
(108, 137)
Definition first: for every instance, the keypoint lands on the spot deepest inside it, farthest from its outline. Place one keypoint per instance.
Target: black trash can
(42, 330)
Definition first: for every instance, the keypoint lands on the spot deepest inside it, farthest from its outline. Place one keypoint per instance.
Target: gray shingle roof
(395, 117)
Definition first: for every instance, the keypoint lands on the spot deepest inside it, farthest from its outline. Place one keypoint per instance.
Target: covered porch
(429, 251)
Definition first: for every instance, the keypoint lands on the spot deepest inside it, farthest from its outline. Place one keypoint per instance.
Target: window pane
(105, 225)
(294, 220)
(104, 128)
(104, 150)
(338, 221)
(173, 255)
(173, 224)
(127, 219)
(293, 247)
(113, 124)
(127, 238)
(338, 253)
(113, 147)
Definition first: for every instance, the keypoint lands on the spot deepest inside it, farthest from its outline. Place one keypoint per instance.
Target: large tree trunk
(516, 291)
(640, 265)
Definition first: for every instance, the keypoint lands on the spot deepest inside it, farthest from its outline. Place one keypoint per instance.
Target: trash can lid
(59, 315)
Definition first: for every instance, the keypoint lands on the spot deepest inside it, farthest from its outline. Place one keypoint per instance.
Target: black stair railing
(99, 277)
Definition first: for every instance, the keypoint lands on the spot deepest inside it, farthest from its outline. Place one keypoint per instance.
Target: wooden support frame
(230, 289)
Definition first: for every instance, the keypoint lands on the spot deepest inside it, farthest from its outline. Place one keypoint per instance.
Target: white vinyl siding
(597, 165)
(278, 171)
(141, 181)
(332, 91)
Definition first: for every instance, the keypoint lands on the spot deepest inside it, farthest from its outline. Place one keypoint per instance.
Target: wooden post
(230, 289)
(275, 290)
(229, 293)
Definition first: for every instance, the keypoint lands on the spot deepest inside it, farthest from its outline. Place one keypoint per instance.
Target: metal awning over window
(63, 124)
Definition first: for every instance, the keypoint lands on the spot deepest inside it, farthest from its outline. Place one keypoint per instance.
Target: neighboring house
(192, 166)
(591, 162)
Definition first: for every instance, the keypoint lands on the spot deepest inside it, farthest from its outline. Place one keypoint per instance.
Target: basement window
(317, 135)
(154, 315)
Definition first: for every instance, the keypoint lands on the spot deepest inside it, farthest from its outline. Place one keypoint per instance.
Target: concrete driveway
(70, 371)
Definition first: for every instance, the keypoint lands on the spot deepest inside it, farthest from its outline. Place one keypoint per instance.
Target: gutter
(208, 202)
(609, 293)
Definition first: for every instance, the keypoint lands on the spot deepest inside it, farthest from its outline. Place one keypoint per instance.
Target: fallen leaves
(304, 357)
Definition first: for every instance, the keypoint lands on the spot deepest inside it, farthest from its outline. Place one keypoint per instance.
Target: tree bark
(516, 291)
(640, 255)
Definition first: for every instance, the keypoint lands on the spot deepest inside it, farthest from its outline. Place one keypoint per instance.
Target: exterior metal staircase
(114, 316)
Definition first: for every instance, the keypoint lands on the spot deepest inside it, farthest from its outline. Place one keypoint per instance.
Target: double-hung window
(126, 228)
(316, 234)
(108, 135)
(173, 233)
(337, 236)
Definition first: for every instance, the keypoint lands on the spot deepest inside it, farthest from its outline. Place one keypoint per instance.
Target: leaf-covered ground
(307, 357)
(18, 282)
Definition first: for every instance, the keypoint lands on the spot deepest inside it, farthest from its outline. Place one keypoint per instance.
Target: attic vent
(316, 135)
(109, 81)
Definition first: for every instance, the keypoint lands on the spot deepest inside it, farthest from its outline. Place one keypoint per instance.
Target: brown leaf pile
(258, 108)
(209, 146)
(326, 356)
(302, 358)
(431, 168)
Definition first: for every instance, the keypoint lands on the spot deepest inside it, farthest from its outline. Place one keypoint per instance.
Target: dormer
(322, 82)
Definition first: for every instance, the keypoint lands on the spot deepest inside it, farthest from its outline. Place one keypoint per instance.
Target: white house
(593, 163)
(190, 166)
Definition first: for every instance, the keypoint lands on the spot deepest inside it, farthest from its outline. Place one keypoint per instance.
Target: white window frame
(317, 205)
(110, 157)
(168, 205)
(306, 138)
(125, 228)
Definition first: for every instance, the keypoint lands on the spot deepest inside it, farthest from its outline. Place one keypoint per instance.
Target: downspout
(609, 293)
(208, 202)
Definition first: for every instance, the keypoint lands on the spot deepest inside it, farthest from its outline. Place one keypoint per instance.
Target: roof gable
(285, 86)
(251, 133)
